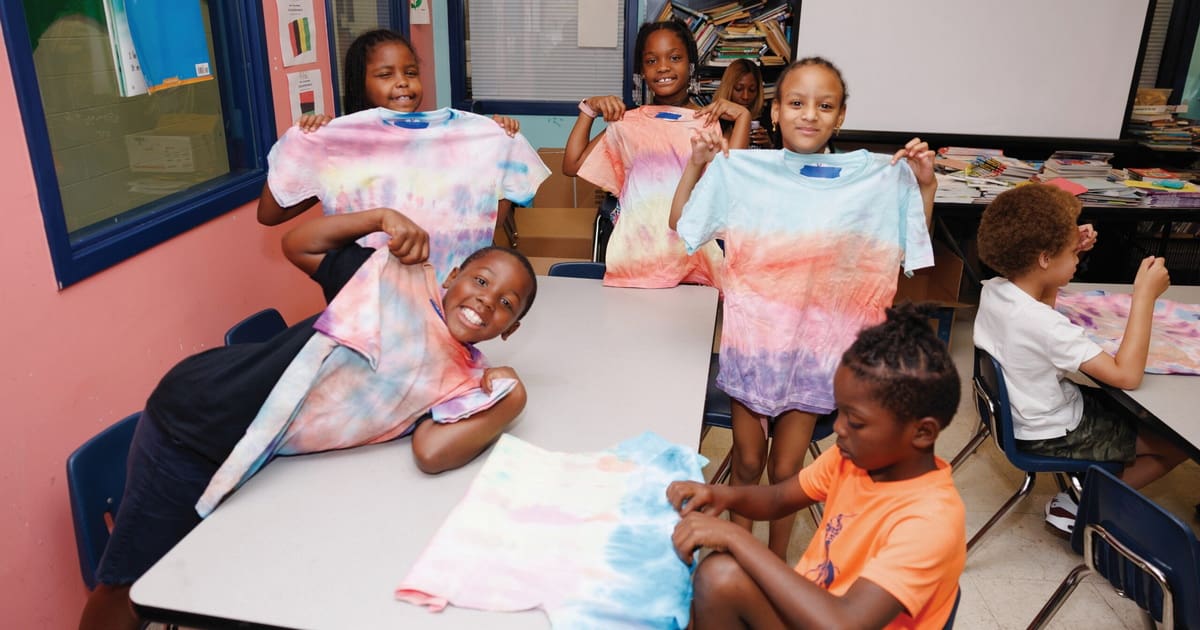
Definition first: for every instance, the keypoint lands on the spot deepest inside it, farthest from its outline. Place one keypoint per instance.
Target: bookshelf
(759, 30)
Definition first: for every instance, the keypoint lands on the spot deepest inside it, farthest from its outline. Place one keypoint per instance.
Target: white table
(1170, 401)
(321, 541)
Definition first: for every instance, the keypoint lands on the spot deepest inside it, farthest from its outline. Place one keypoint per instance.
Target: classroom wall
(85, 357)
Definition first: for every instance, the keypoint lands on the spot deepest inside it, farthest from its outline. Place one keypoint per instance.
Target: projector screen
(1038, 68)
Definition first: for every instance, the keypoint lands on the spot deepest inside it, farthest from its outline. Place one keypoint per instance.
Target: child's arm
(441, 447)
(578, 145)
(722, 109)
(920, 160)
(1129, 366)
(706, 143)
(759, 503)
(271, 213)
(307, 244)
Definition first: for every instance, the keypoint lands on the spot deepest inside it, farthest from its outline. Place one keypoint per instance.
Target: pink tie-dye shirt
(1174, 339)
(809, 261)
(640, 159)
(446, 170)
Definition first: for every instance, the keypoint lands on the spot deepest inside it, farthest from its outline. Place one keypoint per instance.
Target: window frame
(398, 20)
(240, 47)
(456, 13)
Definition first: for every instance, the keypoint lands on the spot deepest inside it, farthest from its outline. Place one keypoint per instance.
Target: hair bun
(910, 316)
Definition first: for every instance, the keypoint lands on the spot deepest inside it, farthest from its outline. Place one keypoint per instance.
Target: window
(351, 18)
(523, 58)
(119, 174)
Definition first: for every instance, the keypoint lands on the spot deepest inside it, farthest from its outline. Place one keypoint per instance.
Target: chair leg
(1148, 621)
(1025, 489)
(723, 472)
(1059, 597)
(596, 238)
(972, 445)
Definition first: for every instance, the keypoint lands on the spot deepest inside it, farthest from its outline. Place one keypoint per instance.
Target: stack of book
(1005, 169)
(1072, 164)
(747, 29)
(1158, 127)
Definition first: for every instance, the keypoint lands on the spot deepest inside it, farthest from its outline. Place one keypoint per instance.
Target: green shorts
(1106, 433)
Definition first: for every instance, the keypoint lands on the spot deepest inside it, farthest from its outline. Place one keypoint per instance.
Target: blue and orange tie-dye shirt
(809, 261)
(444, 169)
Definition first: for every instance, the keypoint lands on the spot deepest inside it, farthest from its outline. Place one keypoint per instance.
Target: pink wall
(82, 358)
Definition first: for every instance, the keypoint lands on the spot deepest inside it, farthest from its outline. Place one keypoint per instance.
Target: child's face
(745, 91)
(485, 299)
(1060, 267)
(665, 66)
(868, 434)
(393, 78)
(808, 108)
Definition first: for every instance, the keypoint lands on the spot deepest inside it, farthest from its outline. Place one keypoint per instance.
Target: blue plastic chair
(95, 483)
(256, 328)
(1148, 554)
(991, 399)
(578, 269)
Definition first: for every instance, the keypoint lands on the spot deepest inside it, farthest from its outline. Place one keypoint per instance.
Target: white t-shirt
(1037, 346)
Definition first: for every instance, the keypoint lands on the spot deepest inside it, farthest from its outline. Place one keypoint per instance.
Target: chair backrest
(1111, 516)
(95, 483)
(578, 269)
(258, 327)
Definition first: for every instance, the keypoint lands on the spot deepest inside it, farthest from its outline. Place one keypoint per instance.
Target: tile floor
(1013, 571)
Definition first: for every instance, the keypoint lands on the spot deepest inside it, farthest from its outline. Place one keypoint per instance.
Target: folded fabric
(1174, 339)
(473, 402)
(585, 537)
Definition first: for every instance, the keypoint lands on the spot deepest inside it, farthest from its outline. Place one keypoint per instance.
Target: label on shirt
(668, 115)
(824, 172)
(405, 123)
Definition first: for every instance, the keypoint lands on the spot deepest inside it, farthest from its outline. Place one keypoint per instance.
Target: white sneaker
(1060, 513)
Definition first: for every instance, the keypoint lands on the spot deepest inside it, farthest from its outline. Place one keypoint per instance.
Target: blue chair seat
(578, 269)
(256, 328)
(95, 483)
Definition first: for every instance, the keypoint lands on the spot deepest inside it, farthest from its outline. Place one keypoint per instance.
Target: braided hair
(910, 369)
(355, 97)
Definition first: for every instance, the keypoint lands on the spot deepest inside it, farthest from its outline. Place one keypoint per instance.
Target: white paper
(306, 93)
(418, 12)
(597, 23)
(297, 32)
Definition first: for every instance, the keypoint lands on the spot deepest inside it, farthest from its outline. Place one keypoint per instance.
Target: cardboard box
(938, 284)
(180, 143)
(556, 232)
(560, 191)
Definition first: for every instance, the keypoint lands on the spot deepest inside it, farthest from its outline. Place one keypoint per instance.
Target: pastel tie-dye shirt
(585, 537)
(640, 159)
(444, 169)
(1174, 339)
(809, 261)
(381, 358)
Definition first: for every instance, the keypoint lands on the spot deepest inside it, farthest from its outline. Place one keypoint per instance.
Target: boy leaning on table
(1028, 235)
(217, 416)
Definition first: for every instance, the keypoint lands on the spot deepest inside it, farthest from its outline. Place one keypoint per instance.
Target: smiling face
(868, 434)
(809, 107)
(665, 67)
(486, 297)
(393, 79)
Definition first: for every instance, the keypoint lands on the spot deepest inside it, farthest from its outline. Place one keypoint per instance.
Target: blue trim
(239, 44)
(456, 21)
(399, 20)
(536, 108)
(631, 31)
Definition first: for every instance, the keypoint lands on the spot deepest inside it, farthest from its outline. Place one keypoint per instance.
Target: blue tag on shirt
(405, 123)
(824, 172)
(668, 115)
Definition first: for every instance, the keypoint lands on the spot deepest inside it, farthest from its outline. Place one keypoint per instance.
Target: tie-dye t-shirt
(809, 261)
(381, 358)
(1174, 339)
(640, 159)
(907, 537)
(446, 170)
(525, 536)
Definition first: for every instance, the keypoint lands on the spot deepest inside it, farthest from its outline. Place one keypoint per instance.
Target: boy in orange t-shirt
(892, 544)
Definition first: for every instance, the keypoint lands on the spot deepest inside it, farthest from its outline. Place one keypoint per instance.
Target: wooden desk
(1170, 402)
(321, 541)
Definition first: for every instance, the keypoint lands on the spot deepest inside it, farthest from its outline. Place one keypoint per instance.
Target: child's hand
(698, 530)
(920, 160)
(1152, 278)
(610, 108)
(1087, 238)
(707, 142)
(493, 373)
(409, 242)
(693, 496)
(511, 125)
(721, 109)
(309, 123)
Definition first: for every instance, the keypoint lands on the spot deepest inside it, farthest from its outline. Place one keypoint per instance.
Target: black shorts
(1106, 433)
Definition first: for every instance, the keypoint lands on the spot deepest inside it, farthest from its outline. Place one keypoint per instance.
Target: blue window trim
(239, 44)
(398, 20)
(456, 21)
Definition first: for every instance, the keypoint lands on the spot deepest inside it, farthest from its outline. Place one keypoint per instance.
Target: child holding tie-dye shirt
(813, 242)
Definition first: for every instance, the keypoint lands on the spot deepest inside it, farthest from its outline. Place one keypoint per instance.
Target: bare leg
(749, 452)
(793, 431)
(726, 597)
(108, 608)
(1156, 456)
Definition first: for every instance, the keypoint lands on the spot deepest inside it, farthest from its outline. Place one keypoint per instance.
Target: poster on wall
(418, 12)
(305, 93)
(297, 32)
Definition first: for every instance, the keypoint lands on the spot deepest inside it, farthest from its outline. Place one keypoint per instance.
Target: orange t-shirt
(908, 537)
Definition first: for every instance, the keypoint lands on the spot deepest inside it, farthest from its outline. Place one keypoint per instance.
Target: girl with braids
(893, 541)
(454, 173)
